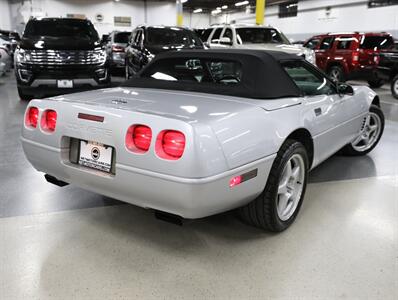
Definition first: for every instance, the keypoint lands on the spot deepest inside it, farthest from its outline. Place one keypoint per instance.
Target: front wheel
(278, 205)
(394, 87)
(370, 134)
(23, 96)
(336, 73)
(375, 83)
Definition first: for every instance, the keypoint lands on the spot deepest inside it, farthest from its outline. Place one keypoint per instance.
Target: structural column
(260, 11)
(179, 13)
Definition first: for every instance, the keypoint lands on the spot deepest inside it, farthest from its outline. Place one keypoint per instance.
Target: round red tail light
(49, 120)
(138, 138)
(172, 144)
(32, 117)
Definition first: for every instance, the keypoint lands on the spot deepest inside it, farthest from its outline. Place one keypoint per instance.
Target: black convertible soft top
(263, 77)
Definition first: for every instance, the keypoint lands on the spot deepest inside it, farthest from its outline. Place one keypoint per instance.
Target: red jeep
(353, 55)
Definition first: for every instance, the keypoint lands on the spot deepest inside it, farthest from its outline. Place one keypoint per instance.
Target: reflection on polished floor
(67, 243)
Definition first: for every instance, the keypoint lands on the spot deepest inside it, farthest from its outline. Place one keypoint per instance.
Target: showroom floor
(67, 243)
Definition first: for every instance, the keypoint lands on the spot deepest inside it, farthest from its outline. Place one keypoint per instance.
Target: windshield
(260, 36)
(122, 37)
(377, 42)
(173, 36)
(61, 28)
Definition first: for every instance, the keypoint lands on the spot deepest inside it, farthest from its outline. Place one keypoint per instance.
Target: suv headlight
(310, 56)
(22, 56)
(100, 55)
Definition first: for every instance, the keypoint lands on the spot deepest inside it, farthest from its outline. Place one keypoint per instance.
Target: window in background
(344, 44)
(288, 9)
(122, 21)
(327, 43)
(381, 3)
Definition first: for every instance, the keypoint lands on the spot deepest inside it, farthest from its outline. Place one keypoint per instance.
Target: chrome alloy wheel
(369, 134)
(335, 75)
(290, 187)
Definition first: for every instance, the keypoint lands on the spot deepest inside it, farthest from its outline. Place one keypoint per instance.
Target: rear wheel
(394, 87)
(336, 73)
(375, 83)
(278, 205)
(370, 134)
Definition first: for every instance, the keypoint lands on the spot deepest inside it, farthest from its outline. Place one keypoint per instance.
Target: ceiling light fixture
(241, 3)
(198, 10)
(224, 7)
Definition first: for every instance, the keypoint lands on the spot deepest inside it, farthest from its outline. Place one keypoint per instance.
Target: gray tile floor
(67, 243)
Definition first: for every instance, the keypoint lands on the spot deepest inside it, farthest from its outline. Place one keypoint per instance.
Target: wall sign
(122, 21)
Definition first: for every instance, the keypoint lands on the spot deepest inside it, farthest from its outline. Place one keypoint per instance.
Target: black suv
(147, 41)
(388, 68)
(59, 55)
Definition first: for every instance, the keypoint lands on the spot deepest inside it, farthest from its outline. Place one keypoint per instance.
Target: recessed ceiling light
(241, 3)
(198, 10)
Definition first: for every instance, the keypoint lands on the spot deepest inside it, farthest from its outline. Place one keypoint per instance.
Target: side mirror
(345, 89)
(226, 41)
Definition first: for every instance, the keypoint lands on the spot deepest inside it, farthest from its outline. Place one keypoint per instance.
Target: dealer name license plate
(65, 84)
(96, 156)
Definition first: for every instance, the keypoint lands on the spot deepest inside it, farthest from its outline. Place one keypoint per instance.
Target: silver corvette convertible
(201, 132)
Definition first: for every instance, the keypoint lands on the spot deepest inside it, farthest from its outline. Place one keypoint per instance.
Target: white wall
(346, 15)
(192, 20)
(157, 13)
(5, 21)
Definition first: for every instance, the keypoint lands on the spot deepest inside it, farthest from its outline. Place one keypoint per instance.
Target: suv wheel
(336, 73)
(394, 87)
(375, 83)
(23, 96)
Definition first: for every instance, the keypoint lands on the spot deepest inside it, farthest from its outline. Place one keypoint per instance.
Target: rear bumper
(187, 197)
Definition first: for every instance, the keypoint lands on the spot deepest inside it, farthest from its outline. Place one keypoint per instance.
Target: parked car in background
(13, 38)
(388, 69)
(243, 36)
(5, 56)
(59, 55)
(350, 55)
(115, 48)
(148, 41)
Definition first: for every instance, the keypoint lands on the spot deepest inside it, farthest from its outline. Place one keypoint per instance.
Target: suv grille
(65, 57)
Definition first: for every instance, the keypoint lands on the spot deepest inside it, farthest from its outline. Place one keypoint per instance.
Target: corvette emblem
(119, 101)
(95, 153)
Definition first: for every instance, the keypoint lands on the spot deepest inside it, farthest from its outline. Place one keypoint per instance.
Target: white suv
(243, 36)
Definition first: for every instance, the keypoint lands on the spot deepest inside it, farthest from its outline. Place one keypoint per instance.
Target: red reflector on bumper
(234, 181)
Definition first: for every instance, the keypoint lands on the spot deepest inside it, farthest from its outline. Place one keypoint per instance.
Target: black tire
(394, 87)
(375, 83)
(349, 150)
(23, 96)
(262, 211)
(336, 73)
